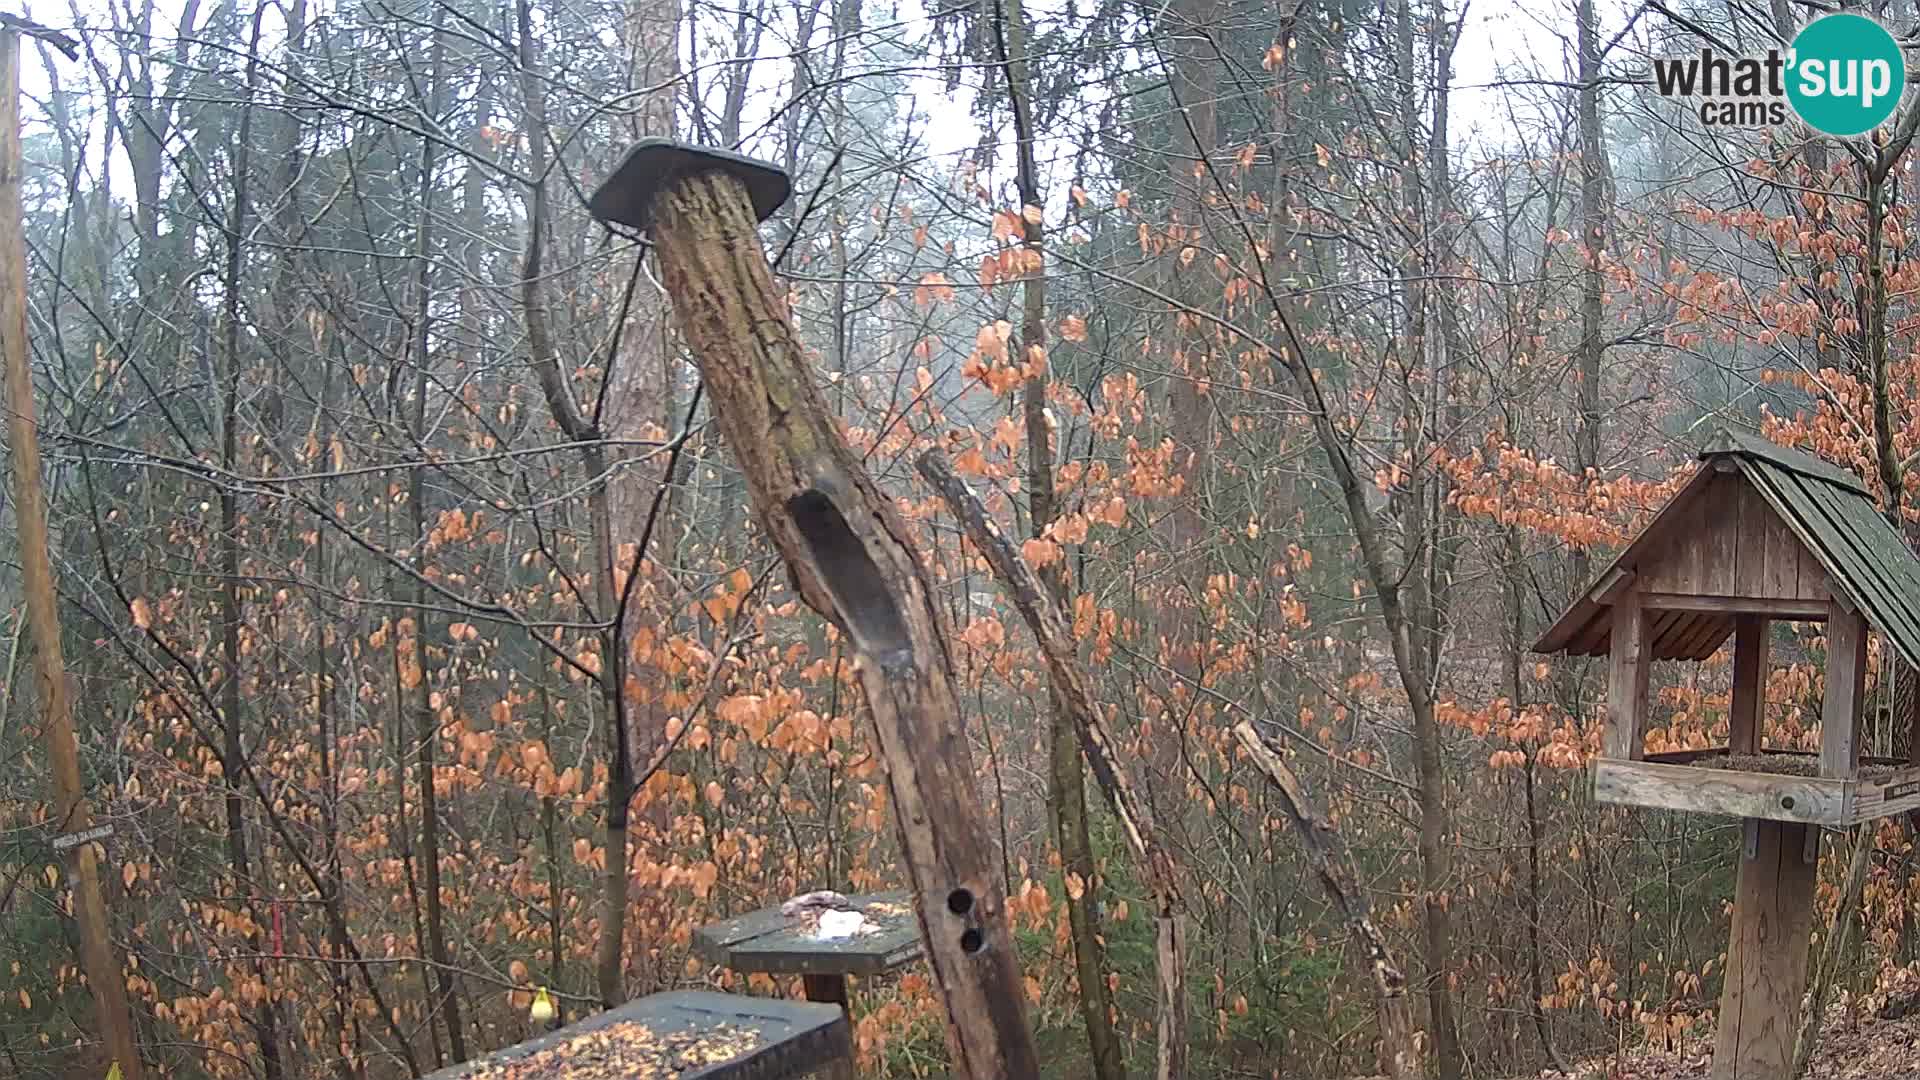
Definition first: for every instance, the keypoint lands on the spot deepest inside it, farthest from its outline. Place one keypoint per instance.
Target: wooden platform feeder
(1759, 533)
(683, 1034)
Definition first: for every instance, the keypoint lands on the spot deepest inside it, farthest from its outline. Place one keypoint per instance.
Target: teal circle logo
(1846, 74)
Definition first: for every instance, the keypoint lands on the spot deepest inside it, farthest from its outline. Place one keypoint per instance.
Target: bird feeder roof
(1720, 520)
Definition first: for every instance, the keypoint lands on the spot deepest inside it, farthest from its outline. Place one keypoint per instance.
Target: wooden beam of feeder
(1746, 715)
(1049, 628)
(844, 544)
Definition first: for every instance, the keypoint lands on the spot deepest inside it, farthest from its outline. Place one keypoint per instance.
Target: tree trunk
(1066, 788)
(842, 542)
(1593, 242)
(1419, 618)
(610, 949)
(71, 812)
(1332, 863)
(1192, 76)
(1833, 948)
(639, 403)
(426, 717)
(265, 1021)
(1536, 828)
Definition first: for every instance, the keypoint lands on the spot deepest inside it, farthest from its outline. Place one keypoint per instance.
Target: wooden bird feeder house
(1758, 533)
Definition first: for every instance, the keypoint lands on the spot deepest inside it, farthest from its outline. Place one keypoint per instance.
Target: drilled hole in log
(959, 901)
(869, 611)
(1786, 802)
(972, 941)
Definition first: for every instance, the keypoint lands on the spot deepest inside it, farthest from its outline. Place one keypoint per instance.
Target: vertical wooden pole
(1749, 684)
(1767, 954)
(831, 989)
(1846, 691)
(70, 811)
(1627, 657)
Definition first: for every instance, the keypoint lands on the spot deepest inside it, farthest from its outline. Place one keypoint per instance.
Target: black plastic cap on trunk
(655, 164)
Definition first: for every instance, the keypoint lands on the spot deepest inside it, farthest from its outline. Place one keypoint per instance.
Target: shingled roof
(1831, 513)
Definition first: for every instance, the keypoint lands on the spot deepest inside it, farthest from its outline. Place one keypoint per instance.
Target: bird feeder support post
(1749, 704)
(1627, 657)
(827, 989)
(845, 547)
(1773, 903)
(1766, 954)
(831, 989)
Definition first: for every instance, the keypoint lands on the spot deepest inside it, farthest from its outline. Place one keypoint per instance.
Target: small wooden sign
(1901, 790)
(75, 839)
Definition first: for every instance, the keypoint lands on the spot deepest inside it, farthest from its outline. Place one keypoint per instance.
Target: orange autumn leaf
(1039, 552)
(933, 288)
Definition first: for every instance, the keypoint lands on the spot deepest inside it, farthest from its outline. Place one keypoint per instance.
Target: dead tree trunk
(845, 546)
(1072, 694)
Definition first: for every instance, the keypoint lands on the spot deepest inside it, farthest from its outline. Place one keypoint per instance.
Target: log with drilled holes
(845, 546)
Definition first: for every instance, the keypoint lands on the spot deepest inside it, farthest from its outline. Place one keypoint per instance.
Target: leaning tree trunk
(844, 543)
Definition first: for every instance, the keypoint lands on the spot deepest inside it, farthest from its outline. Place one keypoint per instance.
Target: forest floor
(1863, 1048)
